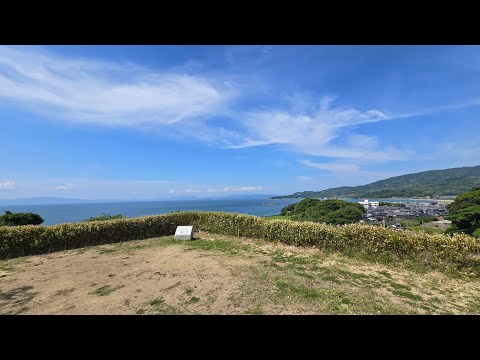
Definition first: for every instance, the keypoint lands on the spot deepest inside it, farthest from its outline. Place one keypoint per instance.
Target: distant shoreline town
(376, 213)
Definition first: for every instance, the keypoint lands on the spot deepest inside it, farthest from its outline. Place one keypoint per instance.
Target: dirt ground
(218, 275)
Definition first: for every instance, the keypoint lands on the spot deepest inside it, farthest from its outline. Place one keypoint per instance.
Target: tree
(466, 220)
(18, 219)
(105, 217)
(464, 213)
(345, 215)
(326, 211)
(288, 210)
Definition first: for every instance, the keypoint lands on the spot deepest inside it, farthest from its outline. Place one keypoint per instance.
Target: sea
(66, 213)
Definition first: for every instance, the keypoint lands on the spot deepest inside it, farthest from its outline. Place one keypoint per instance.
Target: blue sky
(160, 122)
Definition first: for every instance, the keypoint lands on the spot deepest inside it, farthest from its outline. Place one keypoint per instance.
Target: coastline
(441, 201)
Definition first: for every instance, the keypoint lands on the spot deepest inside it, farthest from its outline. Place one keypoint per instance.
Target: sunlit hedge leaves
(460, 252)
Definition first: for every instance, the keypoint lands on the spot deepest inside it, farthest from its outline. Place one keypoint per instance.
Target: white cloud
(335, 167)
(312, 130)
(125, 94)
(67, 186)
(104, 92)
(7, 185)
(191, 190)
(183, 103)
(246, 188)
(217, 189)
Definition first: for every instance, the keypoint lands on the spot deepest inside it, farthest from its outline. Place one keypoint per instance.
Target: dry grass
(216, 274)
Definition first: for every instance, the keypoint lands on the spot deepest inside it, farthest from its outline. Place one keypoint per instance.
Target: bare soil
(218, 275)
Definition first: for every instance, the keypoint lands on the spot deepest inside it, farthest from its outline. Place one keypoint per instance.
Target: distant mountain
(447, 182)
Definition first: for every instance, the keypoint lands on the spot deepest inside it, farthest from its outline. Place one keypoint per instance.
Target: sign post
(184, 233)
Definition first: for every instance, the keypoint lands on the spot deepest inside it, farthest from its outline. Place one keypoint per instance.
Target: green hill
(447, 182)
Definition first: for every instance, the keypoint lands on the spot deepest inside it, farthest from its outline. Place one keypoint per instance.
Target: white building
(366, 204)
(374, 204)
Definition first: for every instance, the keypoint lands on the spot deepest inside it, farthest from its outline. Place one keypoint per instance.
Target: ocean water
(64, 213)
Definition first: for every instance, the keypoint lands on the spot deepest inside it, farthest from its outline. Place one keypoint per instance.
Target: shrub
(30, 240)
(326, 211)
(18, 219)
(460, 252)
(465, 212)
(435, 251)
(104, 217)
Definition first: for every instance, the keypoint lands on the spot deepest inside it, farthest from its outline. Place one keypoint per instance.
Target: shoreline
(441, 201)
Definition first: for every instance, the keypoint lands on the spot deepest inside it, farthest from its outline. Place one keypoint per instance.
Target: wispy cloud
(68, 186)
(128, 95)
(335, 167)
(312, 130)
(224, 189)
(106, 93)
(7, 185)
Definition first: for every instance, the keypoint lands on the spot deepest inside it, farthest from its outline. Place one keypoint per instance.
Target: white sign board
(184, 233)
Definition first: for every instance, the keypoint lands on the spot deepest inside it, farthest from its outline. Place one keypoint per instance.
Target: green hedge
(460, 252)
(434, 251)
(38, 239)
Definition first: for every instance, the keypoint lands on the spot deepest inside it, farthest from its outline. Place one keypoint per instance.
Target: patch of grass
(397, 286)
(162, 308)
(131, 246)
(107, 251)
(351, 275)
(332, 300)
(304, 274)
(5, 268)
(257, 310)
(228, 247)
(140, 311)
(386, 274)
(447, 312)
(300, 264)
(299, 290)
(64, 292)
(106, 290)
(194, 300)
(331, 278)
(189, 291)
(406, 294)
(157, 301)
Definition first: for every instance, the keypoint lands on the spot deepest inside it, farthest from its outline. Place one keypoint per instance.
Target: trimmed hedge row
(38, 239)
(434, 251)
(460, 252)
